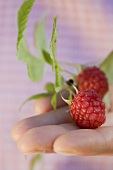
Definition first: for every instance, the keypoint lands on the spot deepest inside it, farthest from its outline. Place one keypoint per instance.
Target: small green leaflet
(34, 161)
(40, 36)
(23, 15)
(107, 67)
(50, 87)
(56, 67)
(35, 97)
(54, 100)
(47, 57)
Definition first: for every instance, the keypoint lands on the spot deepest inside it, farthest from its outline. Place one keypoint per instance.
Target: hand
(54, 131)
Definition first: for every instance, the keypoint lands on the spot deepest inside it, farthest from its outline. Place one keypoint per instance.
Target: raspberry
(88, 110)
(93, 78)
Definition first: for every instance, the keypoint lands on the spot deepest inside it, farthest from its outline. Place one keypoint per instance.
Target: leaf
(47, 57)
(35, 66)
(34, 161)
(107, 67)
(40, 36)
(54, 100)
(106, 100)
(22, 51)
(55, 65)
(50, 87)
(23, 15)
(35, 97)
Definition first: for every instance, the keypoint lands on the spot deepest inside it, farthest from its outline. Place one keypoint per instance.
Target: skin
(54, 131)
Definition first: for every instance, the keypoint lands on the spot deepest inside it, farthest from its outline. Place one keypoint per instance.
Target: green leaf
(23, 15)
(35, 97)
(47, 57)
(107, 67)
(54, 100)
(106, 100)
(40, 36)
(35, 66)
(22, 51)
(50, 87)
(34, 161)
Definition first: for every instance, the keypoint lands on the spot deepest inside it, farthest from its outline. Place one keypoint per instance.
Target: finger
(51, 118)
(41, 139)
(43, 105)
(86, 142)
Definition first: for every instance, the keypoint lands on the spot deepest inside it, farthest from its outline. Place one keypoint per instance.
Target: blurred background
(85, 36)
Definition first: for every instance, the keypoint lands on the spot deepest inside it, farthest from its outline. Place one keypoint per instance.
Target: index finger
(51, 118)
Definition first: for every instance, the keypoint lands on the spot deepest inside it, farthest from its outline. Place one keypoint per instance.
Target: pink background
(85, 35)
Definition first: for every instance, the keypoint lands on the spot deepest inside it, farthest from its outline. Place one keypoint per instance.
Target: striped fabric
(85, 35)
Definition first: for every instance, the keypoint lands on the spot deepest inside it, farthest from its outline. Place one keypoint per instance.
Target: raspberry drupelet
(88, 110)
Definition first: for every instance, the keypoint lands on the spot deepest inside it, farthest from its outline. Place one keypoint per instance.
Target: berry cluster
(87, 108)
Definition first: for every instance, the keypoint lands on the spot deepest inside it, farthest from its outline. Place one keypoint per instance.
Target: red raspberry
(88, 110)
(93, 78)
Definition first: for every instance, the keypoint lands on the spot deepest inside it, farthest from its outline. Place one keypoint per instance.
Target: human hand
(54, 131)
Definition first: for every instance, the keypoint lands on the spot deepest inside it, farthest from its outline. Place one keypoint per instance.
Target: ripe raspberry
(93, 78)
(88, 110)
